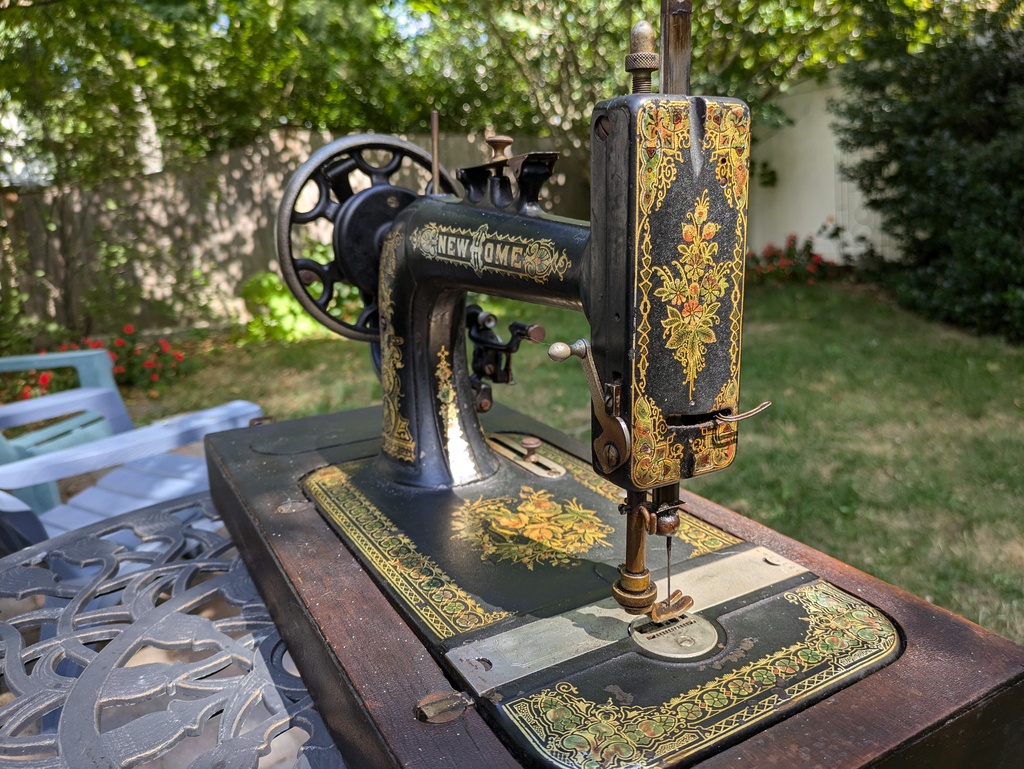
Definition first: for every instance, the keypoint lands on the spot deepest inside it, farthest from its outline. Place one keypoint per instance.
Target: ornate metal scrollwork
(143, 638)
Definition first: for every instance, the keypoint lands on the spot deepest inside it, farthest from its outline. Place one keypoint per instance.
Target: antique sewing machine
(457, 578)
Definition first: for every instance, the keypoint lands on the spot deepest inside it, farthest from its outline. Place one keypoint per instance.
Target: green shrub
(135, 363)
(936, 124)
(276, 314)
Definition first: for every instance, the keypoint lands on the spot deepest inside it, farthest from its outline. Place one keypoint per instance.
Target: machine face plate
(507, 582)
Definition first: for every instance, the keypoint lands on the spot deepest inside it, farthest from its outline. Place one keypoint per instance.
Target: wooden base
(955, 698)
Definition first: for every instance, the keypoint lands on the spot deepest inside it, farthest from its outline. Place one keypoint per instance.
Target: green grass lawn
(893, 444)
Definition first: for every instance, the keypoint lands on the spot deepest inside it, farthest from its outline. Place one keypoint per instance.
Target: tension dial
(334, 215)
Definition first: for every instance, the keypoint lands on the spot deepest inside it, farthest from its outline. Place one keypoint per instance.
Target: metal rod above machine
(676, 46)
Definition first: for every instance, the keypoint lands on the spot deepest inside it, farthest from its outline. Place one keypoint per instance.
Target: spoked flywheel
(347, 194)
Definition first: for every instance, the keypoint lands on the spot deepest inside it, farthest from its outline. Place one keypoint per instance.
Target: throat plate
(680, 638)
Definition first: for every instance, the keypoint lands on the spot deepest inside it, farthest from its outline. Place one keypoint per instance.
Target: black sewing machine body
(500, 543)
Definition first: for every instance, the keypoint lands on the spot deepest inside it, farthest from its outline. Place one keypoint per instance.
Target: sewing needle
(668, 554)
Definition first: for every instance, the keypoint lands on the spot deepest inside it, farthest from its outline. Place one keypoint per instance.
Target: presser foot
(673, 606)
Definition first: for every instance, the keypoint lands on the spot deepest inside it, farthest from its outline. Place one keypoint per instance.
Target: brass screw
(642, 60)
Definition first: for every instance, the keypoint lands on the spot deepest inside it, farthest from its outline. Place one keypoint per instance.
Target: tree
(541, 66)
(92, 93)
(88, 90)
(935, 119)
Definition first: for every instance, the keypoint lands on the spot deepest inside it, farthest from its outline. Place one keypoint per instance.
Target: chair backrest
(94, 367)
(96, 386)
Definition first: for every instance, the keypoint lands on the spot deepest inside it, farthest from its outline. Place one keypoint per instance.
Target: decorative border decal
(843, 636)
(484, 250)
(692, 287)
(397, 438)
(461, 463)
(664, 132)
(424, 587)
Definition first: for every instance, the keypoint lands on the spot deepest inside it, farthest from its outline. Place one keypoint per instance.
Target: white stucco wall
(809, 191)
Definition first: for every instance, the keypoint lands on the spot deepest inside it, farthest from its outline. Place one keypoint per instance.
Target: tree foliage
(88, 89)
(542, 66)
(91, 91)
(935, 119)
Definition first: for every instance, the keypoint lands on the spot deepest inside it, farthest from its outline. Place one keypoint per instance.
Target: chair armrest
(94, 367)
(11, 504)
(103, 400)
(126, 447)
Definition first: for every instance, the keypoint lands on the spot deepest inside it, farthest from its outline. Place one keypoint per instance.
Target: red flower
(178, 356)
(129, 328)
(112, 354)
(45, 378)
(155, 377)
(812, 268)
(119, 342)
(149, 363)
(26, 392)
(95, 344)
(118, 369)
(165, 346)
(63, 348)
(816, 258)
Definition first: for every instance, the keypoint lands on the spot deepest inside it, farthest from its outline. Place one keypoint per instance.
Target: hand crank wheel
(349, 192)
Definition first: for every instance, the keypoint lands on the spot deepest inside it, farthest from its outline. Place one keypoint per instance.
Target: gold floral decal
(460, 459)
(702, 537)
(484, 250)
(843, 636)
(533, 529)
(727, 135)
(425, 588)
(664, 129)
(695, 287)
(397, 439)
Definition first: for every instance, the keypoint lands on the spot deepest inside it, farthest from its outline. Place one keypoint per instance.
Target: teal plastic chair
(94, 432)
(91, 411)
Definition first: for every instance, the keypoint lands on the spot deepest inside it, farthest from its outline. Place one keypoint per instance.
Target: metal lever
(745, 415)
(613, 445)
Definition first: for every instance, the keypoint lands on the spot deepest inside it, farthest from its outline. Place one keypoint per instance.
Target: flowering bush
(140, 365)
(136, 364)
(795, 262)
